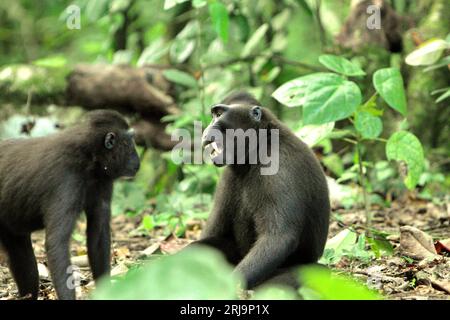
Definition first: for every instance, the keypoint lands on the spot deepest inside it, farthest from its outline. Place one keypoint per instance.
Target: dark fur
(46, 182)
(266, 224)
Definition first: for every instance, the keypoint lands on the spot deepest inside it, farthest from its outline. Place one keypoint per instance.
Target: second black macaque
(45, 183)
(268, 223)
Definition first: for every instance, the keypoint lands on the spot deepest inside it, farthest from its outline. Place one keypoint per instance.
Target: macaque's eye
(256, 113)
(110, 140)
(218, 110)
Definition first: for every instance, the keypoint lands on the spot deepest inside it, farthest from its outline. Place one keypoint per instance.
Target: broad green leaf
(220, 19)
(428, 53)
(169, 4)
(380, 246)
(313, 134)
(292, 93)
(338, 246)
(341, 65)
(404, 146)
(329, 98)
(371, 107)
(368, 125)
(180, 77)
(319, 283)
(389, 84)
(254, 41)
(204, 275)
(326, 97)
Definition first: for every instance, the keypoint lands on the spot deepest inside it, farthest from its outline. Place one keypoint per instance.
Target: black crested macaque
(45, 183)
(265, 224)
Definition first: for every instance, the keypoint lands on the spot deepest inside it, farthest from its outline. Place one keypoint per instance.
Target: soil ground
(394, 276)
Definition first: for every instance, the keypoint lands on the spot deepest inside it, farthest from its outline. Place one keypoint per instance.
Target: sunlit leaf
(428, 53)
(389, 84)
(252, 43)
(368, 125)
(313, 134)
(320, 283)
(180, 77)
(329, 98)
(404, 146)
(220, 19)
(204, 275)
(341, 65)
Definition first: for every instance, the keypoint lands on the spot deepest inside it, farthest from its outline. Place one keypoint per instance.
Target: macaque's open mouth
(215, 149)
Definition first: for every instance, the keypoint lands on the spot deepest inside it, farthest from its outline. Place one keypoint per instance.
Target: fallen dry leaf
(442, 246)
(80, 261)
(416, 243)
(443, 285)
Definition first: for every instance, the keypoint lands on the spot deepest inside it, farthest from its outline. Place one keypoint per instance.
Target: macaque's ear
(256, 113)
(110, 140)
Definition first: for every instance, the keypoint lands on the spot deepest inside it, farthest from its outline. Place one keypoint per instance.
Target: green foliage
(341, 65)
(220, 20)
(389, 84)
(404, 146)
(330, 97)
(368, 125)
(319, 284)
(180, 77)
(194, 273)
(319, 94)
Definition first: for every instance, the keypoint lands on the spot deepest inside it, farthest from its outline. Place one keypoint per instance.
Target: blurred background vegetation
(197, 52)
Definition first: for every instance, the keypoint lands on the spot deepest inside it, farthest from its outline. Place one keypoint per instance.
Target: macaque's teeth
(216, 147)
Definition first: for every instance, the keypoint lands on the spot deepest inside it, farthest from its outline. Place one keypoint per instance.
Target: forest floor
(394, 276)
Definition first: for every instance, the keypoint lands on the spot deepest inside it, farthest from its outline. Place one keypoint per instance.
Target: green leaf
(444, 62)
(57, 61)
(96, 9)
(220, 19)
(389, 84)
(443, 96)
(326, 97)
(338, 246)
(153, 52)
(199, 3)
(204, 275)
(404, 146)
(320, 283)
(184, 43)
(254, 41)
(368, 125)
(341, 65)
(329, 98)
(180, 77)
(169, 4)
(292, 93)
(428, 53)
(313, 134)
(380, 246)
